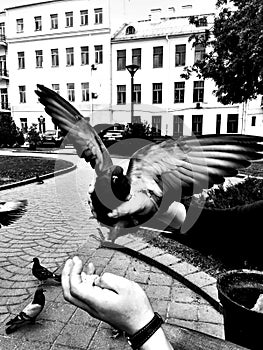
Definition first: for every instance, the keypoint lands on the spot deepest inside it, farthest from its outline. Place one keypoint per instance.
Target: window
(137, 92)
(180, 53)
(201, 22)
(54, 21)
(178, 126)
(157, 92)
(39, 58)
(179, 92)
(20, 25)
(69, 19)
(199, 52)
(130, 30)
(253, 120)
(21, 60)
(198, 92)
(157, 57)
(156, 125)
(22, 94)
(85, 91)
(2, 30)
(84, 55)
(70, 56)
(136, 57)
(71, 92)
(84, 17)
(54, 58)
(121, 94)
(218, 123)
(4, 98)
(3, 70)
(56, 88)
(232, 123)
(98, 54)
(136, 119)
(23, 122)
(121, 59)
(98, 16)
(38, 23)
(197, 124)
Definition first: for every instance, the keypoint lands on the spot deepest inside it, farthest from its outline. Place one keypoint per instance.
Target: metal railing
(4, 73)
(2, 38)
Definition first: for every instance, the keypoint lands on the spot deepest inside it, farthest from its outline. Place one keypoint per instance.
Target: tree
(234, 59)
(33, 136)
(9, 133)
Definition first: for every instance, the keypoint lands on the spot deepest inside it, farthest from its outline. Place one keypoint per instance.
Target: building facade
(4, 74)
(81, 49)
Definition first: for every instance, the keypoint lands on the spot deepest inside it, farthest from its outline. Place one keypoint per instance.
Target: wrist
(139, 339)
(157, 341)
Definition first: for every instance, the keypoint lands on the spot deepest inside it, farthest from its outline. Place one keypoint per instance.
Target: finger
(90, 269)
(112, 282)
(75, 273)
(126, 208)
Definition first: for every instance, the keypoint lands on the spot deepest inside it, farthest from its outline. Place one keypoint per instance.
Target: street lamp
(41, 122)
(132, 69)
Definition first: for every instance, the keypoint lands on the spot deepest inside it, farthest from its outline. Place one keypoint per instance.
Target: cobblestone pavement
(57, 225)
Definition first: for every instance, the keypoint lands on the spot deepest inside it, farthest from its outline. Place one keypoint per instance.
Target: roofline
(32, 4)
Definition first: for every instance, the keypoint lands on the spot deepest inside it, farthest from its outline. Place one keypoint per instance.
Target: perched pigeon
(11, 211)
(158, 175)
(42, 273)
(29, 313)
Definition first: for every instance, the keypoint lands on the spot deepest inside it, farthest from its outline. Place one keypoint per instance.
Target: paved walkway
(57, 225)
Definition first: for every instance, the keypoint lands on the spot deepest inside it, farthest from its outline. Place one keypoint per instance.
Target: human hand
(139, 204)
(110, 298)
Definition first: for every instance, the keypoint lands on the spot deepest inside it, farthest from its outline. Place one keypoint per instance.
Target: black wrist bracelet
(140, 337)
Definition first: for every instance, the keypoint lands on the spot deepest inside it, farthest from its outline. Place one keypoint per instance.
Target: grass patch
(14, 168)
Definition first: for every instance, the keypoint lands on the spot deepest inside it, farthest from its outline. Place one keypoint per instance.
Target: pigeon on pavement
(158, 176)
(42, 273)
(29, 314)
(10, 211)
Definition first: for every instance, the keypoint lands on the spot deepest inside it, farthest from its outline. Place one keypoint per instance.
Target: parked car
(52, 137)
(113, 135)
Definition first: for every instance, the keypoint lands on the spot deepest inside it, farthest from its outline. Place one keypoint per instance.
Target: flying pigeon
(42, 273)
(11, 211)
(29, 314)
(158, 175)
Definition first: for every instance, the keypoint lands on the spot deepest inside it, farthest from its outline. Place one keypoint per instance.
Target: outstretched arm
(111, 298)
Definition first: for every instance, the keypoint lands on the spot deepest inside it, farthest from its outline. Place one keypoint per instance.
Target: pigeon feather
(157, 173)
(11, 211)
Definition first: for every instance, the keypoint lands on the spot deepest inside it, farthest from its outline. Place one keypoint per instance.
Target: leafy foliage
(33, 136)
(9, 133)
(137, 130)
(234, 59)
(248, 191)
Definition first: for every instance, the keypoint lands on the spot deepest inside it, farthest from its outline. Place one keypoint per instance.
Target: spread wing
(83, 136)
(11, 211)
(191, 164)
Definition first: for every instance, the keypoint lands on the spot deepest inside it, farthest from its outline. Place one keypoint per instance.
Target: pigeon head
(35, 260)
(111, 188)
(39, 297)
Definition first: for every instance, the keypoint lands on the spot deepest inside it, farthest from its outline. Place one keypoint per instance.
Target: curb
(42, 177)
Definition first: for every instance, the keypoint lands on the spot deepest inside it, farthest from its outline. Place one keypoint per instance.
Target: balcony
(5, 107)
(4, 74)
(3, 40)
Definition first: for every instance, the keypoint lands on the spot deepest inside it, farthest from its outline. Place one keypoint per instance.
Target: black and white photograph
(131, 174)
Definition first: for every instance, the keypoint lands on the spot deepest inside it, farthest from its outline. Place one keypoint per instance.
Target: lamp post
(132, 69)
(41, 122)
